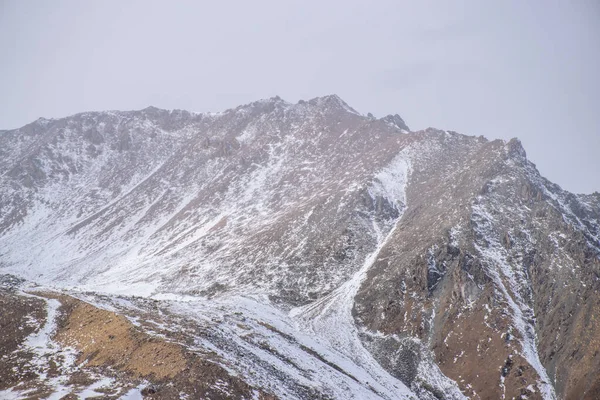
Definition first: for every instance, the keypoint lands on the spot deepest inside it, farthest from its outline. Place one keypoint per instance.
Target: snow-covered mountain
(375, 262)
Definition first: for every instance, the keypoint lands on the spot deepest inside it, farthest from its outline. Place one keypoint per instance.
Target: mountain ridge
(409, 241)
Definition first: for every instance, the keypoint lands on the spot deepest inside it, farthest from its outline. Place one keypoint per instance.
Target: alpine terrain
(289, 251)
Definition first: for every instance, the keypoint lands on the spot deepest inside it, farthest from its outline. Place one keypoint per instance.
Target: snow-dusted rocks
(386, 264)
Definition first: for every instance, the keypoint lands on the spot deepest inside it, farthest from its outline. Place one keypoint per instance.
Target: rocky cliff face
(372, 261)
(495, 270)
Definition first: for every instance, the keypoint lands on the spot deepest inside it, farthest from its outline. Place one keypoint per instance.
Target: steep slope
(208, 205)
(492, 265)
(387, 264)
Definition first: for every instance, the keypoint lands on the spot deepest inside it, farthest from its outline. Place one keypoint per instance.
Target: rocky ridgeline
(373, 262)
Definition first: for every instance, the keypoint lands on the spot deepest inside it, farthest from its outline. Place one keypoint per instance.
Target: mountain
(297, 251)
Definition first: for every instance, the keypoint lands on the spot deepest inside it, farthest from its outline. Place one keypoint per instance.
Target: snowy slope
(377, 248)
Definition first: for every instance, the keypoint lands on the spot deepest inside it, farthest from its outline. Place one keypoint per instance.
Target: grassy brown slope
(108, 344)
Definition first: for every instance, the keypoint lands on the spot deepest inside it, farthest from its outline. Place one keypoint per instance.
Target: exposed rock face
(491, 262)
(450, 266)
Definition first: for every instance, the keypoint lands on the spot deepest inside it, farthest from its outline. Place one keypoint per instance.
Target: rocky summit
(289, 251)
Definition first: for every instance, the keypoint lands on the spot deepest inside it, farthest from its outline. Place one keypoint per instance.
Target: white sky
(501, 69)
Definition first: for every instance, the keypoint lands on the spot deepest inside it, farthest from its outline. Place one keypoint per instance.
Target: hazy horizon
(501, 70)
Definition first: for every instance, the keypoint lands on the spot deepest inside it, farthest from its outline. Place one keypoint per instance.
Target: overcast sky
(501, 69)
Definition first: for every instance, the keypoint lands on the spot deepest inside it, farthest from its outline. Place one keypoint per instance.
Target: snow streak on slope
(511, 284)
(41, 343)
(330, 318)
(51, 362)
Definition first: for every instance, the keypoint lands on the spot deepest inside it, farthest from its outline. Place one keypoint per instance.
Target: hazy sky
(501, 69)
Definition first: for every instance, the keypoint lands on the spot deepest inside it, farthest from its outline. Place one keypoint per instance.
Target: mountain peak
(396, 121)
(330, 98)
(272, 100)
(332, 101)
